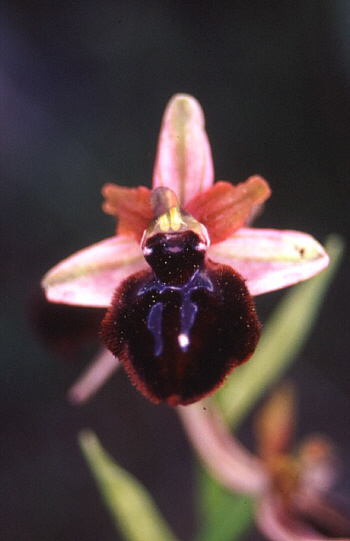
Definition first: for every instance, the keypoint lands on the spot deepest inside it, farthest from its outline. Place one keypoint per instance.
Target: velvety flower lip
(267, 259)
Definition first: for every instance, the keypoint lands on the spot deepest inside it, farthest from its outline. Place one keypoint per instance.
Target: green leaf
(130, 505)
(225, 516)
(283, 337)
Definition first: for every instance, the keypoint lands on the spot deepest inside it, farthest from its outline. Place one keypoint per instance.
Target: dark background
(83, 88)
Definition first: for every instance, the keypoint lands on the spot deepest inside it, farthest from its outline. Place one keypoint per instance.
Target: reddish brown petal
(275, 422)
(131, 206)
(224, 208)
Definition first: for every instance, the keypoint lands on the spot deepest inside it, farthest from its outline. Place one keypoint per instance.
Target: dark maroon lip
(183, 326)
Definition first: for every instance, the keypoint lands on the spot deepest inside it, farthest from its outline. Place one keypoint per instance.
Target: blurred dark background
(83, 88)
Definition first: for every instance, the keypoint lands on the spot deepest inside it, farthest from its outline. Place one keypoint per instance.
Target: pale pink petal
(227, 460)
(277, 525)
(95, 375)
(269, 259)
(183, 162)
(90, 276)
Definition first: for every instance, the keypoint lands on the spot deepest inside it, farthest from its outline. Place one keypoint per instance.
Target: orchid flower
(183, 198)
(291, 491)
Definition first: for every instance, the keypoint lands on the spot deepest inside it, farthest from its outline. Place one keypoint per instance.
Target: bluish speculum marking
(188, 309)
(154, 325)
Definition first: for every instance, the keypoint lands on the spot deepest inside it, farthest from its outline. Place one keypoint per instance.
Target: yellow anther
(175, 218)
(163, 222)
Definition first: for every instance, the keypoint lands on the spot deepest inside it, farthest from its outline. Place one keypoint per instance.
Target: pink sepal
(183, 162)
(227, 460)
(90, 276)
(270, 259)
